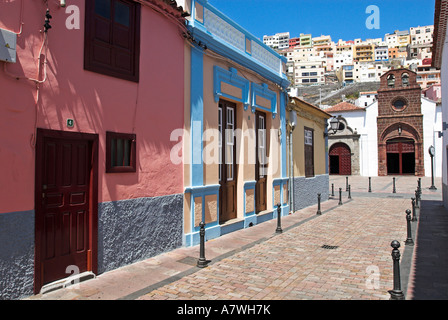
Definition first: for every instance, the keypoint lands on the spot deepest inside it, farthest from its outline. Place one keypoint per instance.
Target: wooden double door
(228, 166)
(66, 205)
(400, 156)
(340, 159)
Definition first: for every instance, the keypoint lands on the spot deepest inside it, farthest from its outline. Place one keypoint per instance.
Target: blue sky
(341, 19)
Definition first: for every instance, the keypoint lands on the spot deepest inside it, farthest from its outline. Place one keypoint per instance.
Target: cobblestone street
(294, 264)
(342, 254)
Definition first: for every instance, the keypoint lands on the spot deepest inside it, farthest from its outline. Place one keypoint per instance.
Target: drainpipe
(292, 124)
(291, 173)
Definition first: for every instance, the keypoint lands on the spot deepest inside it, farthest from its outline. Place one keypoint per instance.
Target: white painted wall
(432, 124)
(364, 122)
(369, 145)
(444, 85)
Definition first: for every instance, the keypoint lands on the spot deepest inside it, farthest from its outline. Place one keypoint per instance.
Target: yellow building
(308, 166)
(364, 52)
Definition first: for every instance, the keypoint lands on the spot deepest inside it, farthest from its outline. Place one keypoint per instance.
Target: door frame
(259, 207)
(223, 167)
(332, 147)
(93, 199)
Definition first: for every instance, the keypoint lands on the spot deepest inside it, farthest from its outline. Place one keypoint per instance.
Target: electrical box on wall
(8, 42)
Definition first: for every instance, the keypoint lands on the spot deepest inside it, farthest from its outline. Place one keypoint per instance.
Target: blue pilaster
(197, 116)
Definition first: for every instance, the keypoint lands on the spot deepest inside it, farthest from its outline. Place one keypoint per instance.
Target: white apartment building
(397, 39)
(391, 39)
(343, 57)
(303, 54)
(421, 35)
(419, 51)
(322, 41)
(366, 98)
(278, 41)
(368, 71)
(309, 73)
(381, 53)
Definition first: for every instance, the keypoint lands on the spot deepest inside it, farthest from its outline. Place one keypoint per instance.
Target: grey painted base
(306, 190)
(445, 195)
(16, 254)
(128, 231)
(134, 230)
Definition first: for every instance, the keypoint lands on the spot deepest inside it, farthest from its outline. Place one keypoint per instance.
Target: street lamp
(432, 152)
(334, 126)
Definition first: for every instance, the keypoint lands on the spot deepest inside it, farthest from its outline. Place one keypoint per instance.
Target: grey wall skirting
(306, 190)
(133, 230)
(16, 254)
(128, 231)
(445, 195)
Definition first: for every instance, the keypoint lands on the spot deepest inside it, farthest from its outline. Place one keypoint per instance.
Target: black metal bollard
(417, 205)
(332, 189)
(396, 293)
(346, 183)
(318, 204)
(340, 196)
(349, 192)
(394, 190)
(370, 184)
(202, 262)
(413, 210)
(409, 240)
(279, 217)
(417, 197)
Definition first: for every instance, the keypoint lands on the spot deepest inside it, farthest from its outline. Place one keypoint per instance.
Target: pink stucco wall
(434, 92)
(151, 108)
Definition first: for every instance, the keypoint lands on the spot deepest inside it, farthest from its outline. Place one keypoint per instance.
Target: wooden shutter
(112, 38)
(309, 152)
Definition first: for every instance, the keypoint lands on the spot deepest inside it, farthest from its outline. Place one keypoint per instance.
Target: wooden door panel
(230, 199)
(227, 166)
(342, 152)
(64, 234)
(345, 165)
(398, 152)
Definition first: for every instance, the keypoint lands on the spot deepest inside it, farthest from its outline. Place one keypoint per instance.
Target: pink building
(86, 114)
(433, 92)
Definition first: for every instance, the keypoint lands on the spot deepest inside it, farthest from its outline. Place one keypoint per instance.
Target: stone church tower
(400, 124)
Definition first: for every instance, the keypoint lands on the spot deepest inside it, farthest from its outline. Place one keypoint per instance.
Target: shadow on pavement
(430, 257)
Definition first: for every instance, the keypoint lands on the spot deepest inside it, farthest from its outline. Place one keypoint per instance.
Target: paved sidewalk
(343, 254)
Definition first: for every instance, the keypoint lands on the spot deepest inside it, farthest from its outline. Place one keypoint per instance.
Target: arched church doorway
(400, 156)
(340, 159)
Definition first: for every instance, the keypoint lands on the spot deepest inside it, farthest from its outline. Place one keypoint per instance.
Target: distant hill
(333, 93)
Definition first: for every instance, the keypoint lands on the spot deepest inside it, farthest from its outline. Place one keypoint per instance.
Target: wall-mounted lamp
(63, 3)
(292, 122)
(334, 126)
(444, 126)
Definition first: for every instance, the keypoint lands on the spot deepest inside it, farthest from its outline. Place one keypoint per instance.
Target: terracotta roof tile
(344, 106)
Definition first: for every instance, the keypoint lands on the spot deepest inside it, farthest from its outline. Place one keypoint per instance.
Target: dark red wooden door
(400, 156)
(342, 152)
(63, 208)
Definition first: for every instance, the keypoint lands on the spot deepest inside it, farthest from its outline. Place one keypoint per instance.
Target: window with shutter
(120, 152)
(309, 152)
(112, 38)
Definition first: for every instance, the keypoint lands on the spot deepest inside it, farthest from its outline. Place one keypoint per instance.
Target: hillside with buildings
(325, 72)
